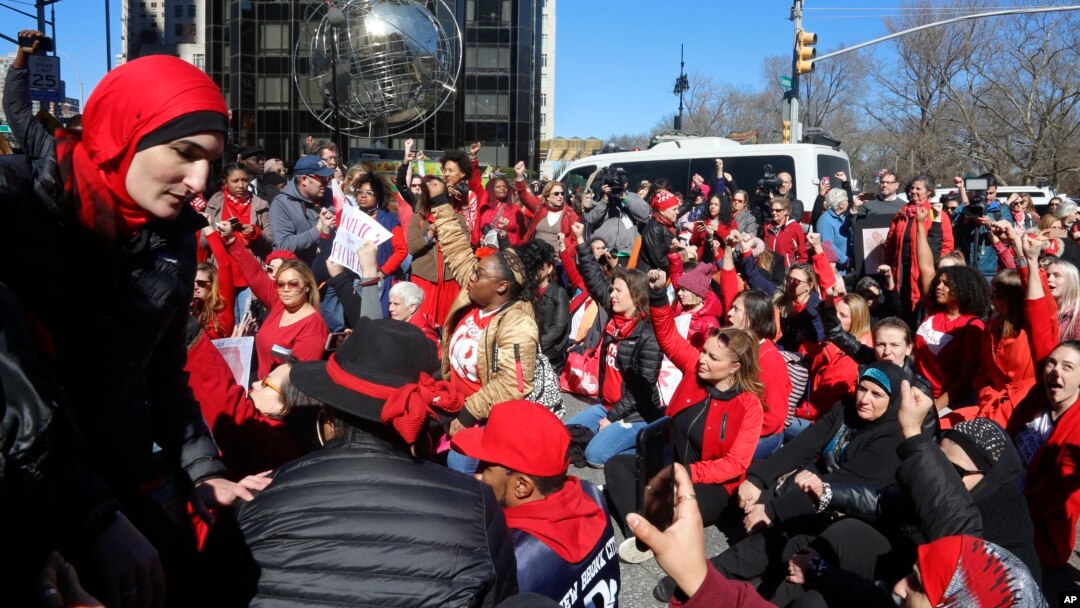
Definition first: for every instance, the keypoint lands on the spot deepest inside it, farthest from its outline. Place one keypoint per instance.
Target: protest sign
(355, 228)
(237, 353)
(671, 376)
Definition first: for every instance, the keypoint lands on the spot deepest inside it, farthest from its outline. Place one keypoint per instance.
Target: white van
(678, 160)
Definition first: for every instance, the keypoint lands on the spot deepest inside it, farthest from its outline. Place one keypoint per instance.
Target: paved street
(638, 580)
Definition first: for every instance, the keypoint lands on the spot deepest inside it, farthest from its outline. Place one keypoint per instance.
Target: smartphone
(46, 45)
(280, 352)
(334, 340)
(656, 473)
(235, 223)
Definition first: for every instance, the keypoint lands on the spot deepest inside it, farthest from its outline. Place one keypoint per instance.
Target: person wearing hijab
(112, 234)
(855, 441)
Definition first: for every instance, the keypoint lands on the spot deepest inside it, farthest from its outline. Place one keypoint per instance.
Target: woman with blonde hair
(716, 415)
(1063, 280)
(294, 323)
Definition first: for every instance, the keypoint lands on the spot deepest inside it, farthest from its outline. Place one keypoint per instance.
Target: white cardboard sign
(354, 228)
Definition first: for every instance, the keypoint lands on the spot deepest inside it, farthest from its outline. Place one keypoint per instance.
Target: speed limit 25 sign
(45, 81)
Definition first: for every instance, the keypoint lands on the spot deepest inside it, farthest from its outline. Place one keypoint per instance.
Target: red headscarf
(129, 103)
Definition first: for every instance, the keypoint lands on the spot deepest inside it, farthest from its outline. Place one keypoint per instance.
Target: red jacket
(894, 243)
(539, 213)
(250, 442)
(832, 377)
(789, 241)
(1053, 482)
(486, 209)
(732, 427)
(703, 320)
(777, 381)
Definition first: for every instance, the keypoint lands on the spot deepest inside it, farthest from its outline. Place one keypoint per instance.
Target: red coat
(788, 241)
(777, 381)
(895, 240)
(250, 442)
(539, 213)
(703, 320)
(486, 209)
(832, 377)
(732, 427)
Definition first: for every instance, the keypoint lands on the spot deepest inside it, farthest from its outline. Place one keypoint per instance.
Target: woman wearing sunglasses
(212, 301)
(294, 322)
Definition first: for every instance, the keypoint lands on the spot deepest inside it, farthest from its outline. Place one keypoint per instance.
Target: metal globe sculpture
(396, 62)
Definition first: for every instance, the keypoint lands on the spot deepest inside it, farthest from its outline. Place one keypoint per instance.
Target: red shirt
(464, 346)
(947, 351)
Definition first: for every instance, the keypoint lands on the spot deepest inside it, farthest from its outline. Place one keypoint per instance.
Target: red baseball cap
(520, 435)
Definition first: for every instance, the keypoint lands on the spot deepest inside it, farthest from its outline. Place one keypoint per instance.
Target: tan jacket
(512, 332)
(260, 216)
(425, 262)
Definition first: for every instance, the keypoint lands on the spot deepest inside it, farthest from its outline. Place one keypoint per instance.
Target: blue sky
(616, 59)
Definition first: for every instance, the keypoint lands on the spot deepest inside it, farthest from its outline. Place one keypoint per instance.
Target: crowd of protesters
(897, 434)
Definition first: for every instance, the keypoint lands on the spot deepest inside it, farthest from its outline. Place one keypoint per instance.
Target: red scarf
(129, 103)
(619, 326)
(236, 206)
(568, 521)
(663, 221)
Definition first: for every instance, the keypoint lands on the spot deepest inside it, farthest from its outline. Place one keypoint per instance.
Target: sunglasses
(558, 194)
(795, 281)
(267, 384)
(293, 285)
(779, 210)
(321, 180)
(202, 284)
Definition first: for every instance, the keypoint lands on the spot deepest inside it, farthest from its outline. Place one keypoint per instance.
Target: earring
(319, 421)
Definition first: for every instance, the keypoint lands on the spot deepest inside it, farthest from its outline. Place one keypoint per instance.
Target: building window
(191, 11)
(543, 60)
(487, 104)
(199, 61)
(178, 29)
(543, 99)
(273, 92)
(274, 37)
(487, 58)
(543, 119)
(178, 11)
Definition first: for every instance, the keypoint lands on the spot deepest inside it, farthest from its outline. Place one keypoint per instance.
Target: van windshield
(575, 180)
(746, 170)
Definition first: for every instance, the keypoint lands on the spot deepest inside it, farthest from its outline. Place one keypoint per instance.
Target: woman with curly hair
(490, 337)
(457, 170)
(718, 220)
(430, 270)
(553, 313)
(496, 208)
(212, 302)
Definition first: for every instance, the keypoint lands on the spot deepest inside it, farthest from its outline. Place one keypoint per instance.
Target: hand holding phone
(656, 474)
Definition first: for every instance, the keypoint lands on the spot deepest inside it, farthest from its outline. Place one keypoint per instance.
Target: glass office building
(248, 51)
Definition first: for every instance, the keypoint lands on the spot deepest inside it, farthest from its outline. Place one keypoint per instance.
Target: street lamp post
(78, 78)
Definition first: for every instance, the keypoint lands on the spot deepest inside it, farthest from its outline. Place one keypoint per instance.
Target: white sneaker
(629, 552)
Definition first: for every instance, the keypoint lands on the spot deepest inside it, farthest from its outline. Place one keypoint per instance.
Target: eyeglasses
(293, 285)
(964, 472)
(558, 193)
(415, 186)
(779, 210)
(322, 180)
(738, 200)
(202, 284)
(479, 277)
(366, 192)
(267, 384)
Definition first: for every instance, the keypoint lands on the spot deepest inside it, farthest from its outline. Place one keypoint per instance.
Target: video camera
(976, 190)
(612, 177)
(769, 181)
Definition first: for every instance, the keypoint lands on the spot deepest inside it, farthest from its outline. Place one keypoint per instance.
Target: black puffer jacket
(113, 312)
(359, 523)
(638, 356)
(556, 326)
(927, 500)
(655, 244)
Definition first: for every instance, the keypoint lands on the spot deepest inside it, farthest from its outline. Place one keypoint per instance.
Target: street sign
(785, 83)
(45, 83)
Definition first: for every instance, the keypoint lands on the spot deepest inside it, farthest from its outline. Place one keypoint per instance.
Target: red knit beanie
(697, 280)
(664, 200)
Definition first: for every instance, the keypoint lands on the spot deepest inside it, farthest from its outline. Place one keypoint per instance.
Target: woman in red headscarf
(107, 223)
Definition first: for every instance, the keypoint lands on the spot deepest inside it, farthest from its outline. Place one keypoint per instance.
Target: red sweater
(725, 456)
(306, 337)
(947, 352)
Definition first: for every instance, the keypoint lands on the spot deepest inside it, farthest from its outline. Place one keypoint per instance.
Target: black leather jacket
(376, 527)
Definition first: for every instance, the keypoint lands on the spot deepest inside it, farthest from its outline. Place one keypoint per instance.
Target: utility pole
(682, 85)
(792, 96)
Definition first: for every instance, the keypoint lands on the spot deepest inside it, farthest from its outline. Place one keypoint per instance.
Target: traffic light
(805, 52)
(787, 131)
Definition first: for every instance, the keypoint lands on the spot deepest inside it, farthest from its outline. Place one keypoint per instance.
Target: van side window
(745, 170)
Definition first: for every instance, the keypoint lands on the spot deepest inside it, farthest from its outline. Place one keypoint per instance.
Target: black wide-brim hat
(380, 356)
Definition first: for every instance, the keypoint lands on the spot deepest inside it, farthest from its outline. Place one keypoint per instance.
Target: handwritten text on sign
(355, 228)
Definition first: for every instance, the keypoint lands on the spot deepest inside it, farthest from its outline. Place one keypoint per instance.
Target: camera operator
(614, 214)
(778, 184)
(978, 211)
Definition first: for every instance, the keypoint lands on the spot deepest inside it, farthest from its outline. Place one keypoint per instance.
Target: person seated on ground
(695, 298)
(1064, 282)
(1046, 431)
(716, 415)
(558, 523)
(406, 298)
(841, 566)
(368, 515)
(855, 441)
(882, 296)
(629, 359)
(554, 317)
(490, 338)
